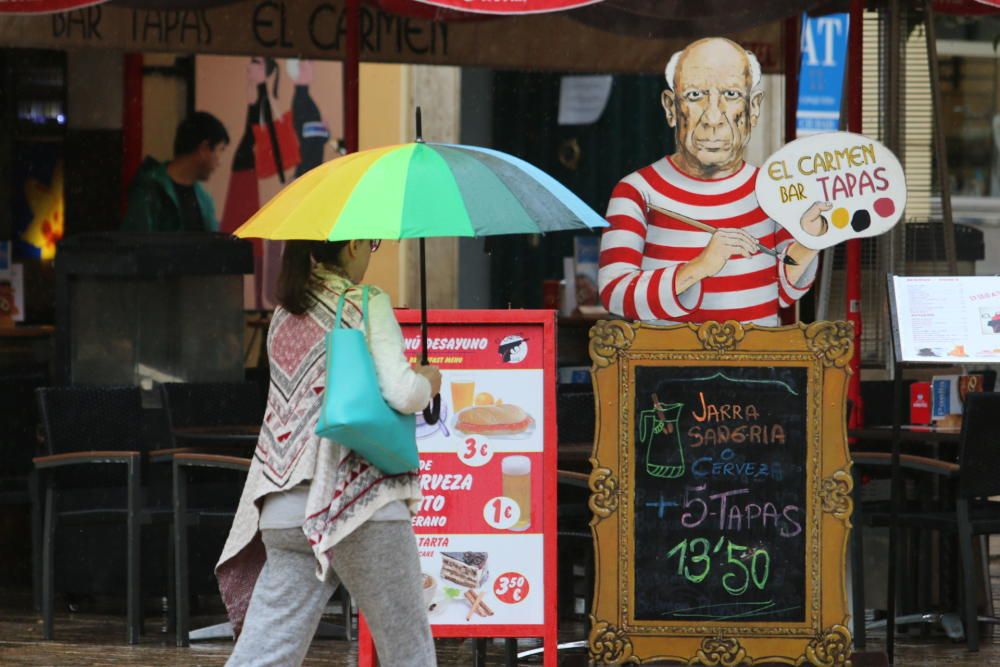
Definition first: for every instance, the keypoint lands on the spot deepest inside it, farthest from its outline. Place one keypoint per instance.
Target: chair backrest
(989, 377)
(980, 448)
(212, 403)
(91, 418)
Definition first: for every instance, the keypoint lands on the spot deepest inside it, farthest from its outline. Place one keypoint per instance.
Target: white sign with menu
(946, 319)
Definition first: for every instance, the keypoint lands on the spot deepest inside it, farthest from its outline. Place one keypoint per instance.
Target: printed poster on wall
(283, 117)
(946, 319)
(480, 531)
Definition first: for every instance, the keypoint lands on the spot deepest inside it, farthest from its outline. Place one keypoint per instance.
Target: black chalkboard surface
(720, 481)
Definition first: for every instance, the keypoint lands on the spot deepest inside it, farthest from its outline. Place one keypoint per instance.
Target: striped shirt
(642, 250)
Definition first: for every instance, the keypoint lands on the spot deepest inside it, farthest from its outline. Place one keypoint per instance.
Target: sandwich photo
(505, 419)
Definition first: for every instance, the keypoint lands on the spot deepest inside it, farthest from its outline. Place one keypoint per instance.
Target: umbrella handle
(432, 413)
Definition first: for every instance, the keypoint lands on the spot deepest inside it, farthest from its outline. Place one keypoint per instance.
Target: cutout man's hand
(812, 220)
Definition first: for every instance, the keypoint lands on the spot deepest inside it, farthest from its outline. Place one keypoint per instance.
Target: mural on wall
(284, 118)
(38, 200)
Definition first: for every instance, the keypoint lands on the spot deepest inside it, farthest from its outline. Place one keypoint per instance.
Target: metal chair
(19, 444)
(94, 449)
(206, 486)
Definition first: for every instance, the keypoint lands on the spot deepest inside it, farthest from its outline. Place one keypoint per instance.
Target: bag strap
(340, 310)
(364, 308)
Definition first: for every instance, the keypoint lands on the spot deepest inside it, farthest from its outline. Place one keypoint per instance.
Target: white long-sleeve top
(402, 387)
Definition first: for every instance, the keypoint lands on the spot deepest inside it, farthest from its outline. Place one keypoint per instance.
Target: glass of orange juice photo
(463, 392)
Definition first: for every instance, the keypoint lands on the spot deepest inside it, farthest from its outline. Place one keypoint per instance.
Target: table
(909, 433)
(574, 455)
(231, 434)
(22, 331)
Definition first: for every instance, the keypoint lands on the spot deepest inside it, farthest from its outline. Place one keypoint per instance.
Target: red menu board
(486, 532)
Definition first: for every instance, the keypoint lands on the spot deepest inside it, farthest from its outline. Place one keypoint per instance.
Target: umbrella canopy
(420, 190)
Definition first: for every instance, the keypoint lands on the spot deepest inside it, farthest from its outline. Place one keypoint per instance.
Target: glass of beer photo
(517, 487)
(463, 392)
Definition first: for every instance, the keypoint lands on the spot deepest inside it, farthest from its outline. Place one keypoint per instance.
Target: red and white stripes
(642, 250)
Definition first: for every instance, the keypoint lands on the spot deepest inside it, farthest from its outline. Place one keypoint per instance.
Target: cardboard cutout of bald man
(655, 267)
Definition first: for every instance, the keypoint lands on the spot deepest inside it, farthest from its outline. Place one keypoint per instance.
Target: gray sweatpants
(378, 563)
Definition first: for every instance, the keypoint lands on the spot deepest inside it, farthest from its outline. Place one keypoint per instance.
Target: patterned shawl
(344, 489)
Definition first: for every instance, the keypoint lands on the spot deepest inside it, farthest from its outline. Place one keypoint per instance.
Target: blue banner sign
(821, 77)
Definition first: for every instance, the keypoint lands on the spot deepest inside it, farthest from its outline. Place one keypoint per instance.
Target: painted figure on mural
(278, 144)
(656, 268)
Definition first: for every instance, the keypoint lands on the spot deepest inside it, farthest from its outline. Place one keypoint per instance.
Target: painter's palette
(858, 177)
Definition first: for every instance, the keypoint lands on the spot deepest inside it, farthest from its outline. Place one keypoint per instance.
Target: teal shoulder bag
(354, 413)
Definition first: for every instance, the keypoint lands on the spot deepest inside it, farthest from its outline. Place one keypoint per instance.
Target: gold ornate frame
(824, 349)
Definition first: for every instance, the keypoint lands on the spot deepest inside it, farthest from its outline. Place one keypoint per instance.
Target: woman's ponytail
(296, 267)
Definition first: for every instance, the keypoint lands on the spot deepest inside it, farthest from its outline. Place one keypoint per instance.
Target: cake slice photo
(465, 568)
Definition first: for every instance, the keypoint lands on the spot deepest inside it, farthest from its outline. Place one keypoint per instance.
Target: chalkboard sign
(720, 492)
(720, 495)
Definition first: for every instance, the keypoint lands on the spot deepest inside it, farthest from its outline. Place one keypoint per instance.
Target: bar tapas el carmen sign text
(509, 6)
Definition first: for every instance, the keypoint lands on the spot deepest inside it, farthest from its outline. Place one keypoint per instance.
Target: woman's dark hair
(296, 266)
(271, 67)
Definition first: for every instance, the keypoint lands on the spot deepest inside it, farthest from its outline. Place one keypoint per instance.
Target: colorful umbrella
(420, 190)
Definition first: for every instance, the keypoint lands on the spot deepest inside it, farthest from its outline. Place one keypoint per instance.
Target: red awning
(509, 6)
(967, 7)
(43, 6)
(419, 10)
(688, 18)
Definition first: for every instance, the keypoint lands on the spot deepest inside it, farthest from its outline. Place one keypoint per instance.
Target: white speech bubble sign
(859, 177)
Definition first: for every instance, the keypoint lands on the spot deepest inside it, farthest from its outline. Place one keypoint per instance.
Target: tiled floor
(97, 640)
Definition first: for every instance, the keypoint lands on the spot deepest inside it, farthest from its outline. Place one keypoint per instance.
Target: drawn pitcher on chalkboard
(658, 430)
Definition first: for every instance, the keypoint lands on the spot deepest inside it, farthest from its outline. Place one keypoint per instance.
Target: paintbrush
(698, 224)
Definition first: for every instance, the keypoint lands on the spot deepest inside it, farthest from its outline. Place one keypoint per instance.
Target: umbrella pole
(423, 301)
(433, 411)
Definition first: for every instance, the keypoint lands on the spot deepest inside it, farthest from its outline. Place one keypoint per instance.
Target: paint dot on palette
(840, 218)
(884, 207)
(861, 220)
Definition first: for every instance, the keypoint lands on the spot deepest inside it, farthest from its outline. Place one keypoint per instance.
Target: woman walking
(314, 514)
